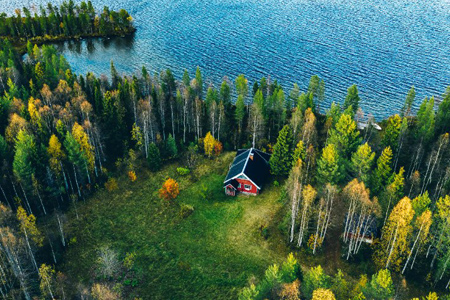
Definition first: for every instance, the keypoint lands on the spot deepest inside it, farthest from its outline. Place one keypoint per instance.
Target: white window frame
(247, 187)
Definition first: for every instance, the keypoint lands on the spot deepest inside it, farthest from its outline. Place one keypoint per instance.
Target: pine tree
(281, 159)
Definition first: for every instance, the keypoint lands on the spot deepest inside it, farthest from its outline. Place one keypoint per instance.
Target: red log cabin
(249, 170)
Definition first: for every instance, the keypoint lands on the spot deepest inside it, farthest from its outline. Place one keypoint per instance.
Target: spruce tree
(23, 158)
(281, 159)
(329, 167)
(352, 98)
(443, 113)
(171, 147)
(154, 158)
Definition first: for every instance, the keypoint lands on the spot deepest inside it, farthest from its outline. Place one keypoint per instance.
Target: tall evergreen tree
(281, 159)
(352, 98)
(154, 158)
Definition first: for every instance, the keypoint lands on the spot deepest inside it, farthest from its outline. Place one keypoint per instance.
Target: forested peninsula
(67, 22)
(113, 188)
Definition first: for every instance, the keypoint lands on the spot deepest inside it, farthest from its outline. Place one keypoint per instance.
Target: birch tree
(324, 215)
(360, 215)
(308, 196)
(256, 119)
(422, 225)
(434, 160)
(396, 237)
(294, 186)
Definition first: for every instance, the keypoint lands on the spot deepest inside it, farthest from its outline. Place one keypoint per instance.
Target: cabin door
(230, 191)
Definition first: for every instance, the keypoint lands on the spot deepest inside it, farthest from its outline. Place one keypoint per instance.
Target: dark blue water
(383, 46)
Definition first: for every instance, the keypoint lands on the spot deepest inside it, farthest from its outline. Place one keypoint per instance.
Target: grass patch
(211, 251)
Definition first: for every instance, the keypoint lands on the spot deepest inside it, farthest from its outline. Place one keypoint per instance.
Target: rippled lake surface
(383, 46)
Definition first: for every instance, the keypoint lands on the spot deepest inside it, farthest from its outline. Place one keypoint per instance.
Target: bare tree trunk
(51, 248)
(412, 249)
(60, 226)
(316, 237)
(26, 198)
(76, 180)
(392, 247)
(4, 196)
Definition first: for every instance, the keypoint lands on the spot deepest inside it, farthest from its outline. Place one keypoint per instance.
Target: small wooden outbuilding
(247, 173)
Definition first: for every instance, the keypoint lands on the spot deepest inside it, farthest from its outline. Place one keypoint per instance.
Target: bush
(186, 210)
(276, 183)
(111, 185)
(169, 190)
(132, 176)
(183, 171)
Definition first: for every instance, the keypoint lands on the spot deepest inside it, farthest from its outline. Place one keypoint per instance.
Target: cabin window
(239, 185)
(248, 187)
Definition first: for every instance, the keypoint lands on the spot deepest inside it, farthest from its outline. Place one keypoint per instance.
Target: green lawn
(212, 253)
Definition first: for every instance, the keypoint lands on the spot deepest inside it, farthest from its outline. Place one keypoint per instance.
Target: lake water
(384, 46)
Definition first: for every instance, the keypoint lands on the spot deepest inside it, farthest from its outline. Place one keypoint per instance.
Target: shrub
(186, 210)
(111, 185)
(169, 190)
(183, 171)
(132, 176)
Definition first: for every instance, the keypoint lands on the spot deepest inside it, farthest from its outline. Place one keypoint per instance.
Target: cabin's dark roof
(256, 169)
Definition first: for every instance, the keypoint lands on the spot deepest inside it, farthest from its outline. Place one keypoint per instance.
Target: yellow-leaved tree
(56, 154)
(396, 236)
(31, 232)
(83, 140)
(209, 141)
(323, 294)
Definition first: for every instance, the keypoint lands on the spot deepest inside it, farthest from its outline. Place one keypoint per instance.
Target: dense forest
(65, 136)
(66, 22)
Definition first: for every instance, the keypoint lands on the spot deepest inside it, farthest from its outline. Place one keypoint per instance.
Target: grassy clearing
(211, 253)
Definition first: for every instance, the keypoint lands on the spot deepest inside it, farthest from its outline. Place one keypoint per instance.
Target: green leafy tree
(313, 280)
(380, 286)
(281, 159)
